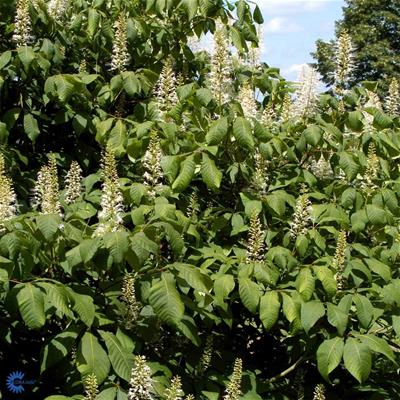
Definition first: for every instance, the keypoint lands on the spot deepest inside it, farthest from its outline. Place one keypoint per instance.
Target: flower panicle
(141, 383)
(153, 175)
(322, 168)
(166, 87)
(392, 101)
(221, 67)
(344, 62)
(305, 103)
(205, 360)
(372, 171)
(8, 198)
(339, 259)
(319, 392)
(302, 216)
(46, 191)
(260, 176)
(91, 387)
(174, 392)
(129, 298)
(110, 215)
(57, 9)
(247, 102)
(23, 24)
(73, 183)
(120, 56)
(255, 240)
(233, 390)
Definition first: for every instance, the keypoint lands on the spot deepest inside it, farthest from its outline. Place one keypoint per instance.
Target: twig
(286, 371)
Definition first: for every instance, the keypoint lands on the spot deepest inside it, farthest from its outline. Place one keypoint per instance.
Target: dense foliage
(374, 27)
(211, 230)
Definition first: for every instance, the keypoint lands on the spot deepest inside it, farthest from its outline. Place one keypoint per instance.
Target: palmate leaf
(117, 244)
(211, 174)
(269, 309)
(30, 301)
(31, 127)
(120, 357)
(92, 358)
(166, 300)
(243, 133)
(217, 131)
(185, 176)
(357, 359)
(48, 225)
(311, 312)
(249, 293)
(329, 355)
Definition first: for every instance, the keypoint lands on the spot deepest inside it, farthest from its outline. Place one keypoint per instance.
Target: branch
(286, 371)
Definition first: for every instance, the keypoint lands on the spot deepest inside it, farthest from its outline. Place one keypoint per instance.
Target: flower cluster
(91, 387)
(110, 216)
(46, 191)
(205, 359)
(339, 259)
(322, 168)
(193, 206)
(166, 87)
(141, 384)
(73, 182)
(268, 117)
(344, 64)
(246, 100)
(120, 55)
(22, 24)
(319, 392)
(255, 241)
(302, 216)
(260, 177)
(233, 390)
(221, 67)
(153, 175)
(286, 108)
(8, 199)
(129, 298)
(57, 8)
(306, 95)
(174, 392)
(371, 172)
(392, 101)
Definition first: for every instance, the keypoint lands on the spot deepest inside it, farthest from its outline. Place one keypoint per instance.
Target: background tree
(374, 27)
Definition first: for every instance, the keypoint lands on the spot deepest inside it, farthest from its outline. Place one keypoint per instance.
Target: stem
(286, 371)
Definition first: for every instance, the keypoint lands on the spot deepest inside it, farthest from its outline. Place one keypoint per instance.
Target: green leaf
(212, 176)
(185, 176)
(83, 306)
(325, 276)
(378, 345)
(329, 354)
(313, 135)
(217, 132)
(269, 309)
(305, 283)
(48, 225)
(120, 357)
(290, 308)
(93, 22)
(166, 301)
(26, 55)
(30, 301)
(257, 15)
(311, 312)
(117, 244)
(190, 6)
(92, 358)
(348, 165)
(131, 83)
(243, 133)
(357, 359)
(31, 127)
(379, 268)
(58, 348)
(337, 318)
(249, 293)
(365, 310)
(354, 121)
(193, 277)
(223, 286)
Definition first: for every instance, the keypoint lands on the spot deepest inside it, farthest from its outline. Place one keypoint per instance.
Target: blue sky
(291, 28)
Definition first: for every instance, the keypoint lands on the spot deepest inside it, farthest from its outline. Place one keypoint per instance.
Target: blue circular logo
(15, 382)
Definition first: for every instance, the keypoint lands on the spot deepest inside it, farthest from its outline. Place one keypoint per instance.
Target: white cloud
(281, 25)
(293, 70)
